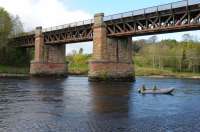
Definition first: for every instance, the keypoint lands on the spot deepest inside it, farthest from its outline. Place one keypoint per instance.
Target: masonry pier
(49, 59)
(112, 57)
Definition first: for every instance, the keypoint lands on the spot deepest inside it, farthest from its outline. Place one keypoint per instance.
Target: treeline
(177, 56)
(11, 26)
(151, 54)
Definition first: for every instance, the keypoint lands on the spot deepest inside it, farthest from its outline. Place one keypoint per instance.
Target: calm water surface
(76, 105)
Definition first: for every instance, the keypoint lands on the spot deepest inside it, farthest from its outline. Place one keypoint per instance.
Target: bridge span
(111, 36)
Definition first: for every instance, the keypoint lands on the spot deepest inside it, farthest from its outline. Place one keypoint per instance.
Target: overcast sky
(47, 13)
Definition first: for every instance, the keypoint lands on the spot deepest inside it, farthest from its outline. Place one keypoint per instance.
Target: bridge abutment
(49, 59)
(112, 57)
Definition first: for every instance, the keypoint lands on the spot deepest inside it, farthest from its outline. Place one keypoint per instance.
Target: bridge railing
(169, 6)
(75, 24)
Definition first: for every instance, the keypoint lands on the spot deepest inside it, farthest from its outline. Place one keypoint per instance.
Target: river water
(76, 105)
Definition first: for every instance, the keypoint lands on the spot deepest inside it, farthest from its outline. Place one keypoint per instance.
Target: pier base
(111, 71)
(47, 69)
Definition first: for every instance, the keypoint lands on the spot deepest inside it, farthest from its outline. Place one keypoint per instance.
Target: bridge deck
(172, 17)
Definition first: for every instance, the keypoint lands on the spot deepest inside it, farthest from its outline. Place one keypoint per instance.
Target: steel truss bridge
(168, 18)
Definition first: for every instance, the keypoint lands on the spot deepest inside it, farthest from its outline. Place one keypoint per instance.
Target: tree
(80, 51)
(137, 45)
(10, 26)
(152, 39)
(74, 52)
(5, 27)
(187, 37)
(17, 26)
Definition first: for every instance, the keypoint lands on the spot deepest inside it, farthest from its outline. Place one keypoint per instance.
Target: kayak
(157, 91)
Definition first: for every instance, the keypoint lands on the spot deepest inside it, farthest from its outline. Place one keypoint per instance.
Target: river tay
(76, 105)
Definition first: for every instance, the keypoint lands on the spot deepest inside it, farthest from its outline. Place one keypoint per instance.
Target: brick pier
(112, 57)
(49, 59)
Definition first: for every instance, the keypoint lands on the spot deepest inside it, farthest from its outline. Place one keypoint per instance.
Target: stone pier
(49, 59)
(112, 57)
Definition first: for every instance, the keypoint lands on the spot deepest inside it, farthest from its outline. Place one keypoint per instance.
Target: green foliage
(5, 27)
(80, 59)
(13, 70)
(9, 27)
(169, 54)
(78, 63)
(146, 71)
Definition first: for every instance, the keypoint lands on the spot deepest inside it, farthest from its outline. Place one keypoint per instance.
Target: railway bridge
(111, 36)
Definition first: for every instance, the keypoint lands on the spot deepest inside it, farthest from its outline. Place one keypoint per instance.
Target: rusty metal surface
(156, 20)
(172, 17)
(69, 35)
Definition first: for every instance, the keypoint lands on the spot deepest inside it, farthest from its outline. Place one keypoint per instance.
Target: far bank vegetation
(152, 57)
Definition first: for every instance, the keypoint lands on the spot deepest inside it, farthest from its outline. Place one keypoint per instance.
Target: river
(76, 105)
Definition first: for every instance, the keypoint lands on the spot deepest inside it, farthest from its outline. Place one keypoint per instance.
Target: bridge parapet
(169, 6)
(70, 25)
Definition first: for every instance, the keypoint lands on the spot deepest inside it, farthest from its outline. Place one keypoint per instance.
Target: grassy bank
(13, 70)
(139, 71)
(78, 69)
(78, 65)
(146, 71)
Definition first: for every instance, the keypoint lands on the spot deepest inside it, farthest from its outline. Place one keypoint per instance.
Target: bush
(78, 63)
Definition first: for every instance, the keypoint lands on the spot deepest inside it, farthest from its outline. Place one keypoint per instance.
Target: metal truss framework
(147, 21)
(62, 36)
(167, 21)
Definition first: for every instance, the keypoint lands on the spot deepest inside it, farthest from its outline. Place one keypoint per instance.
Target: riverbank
(161, 73)
(6, 75)
(82, 70)
(141, 71)
(12, 71)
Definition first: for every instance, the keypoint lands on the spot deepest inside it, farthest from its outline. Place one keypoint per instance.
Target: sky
(47, 13)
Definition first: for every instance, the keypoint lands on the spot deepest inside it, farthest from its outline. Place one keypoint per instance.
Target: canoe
(157, 91)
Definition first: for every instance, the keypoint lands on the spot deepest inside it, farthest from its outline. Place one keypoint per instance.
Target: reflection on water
(110, 97)
(74, 104)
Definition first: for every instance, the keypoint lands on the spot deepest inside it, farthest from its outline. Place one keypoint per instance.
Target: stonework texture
(54, 54)
(99, 39)
(112, 57)
(49, 59)
(42, 69)
(102, 70)
(39, 45)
